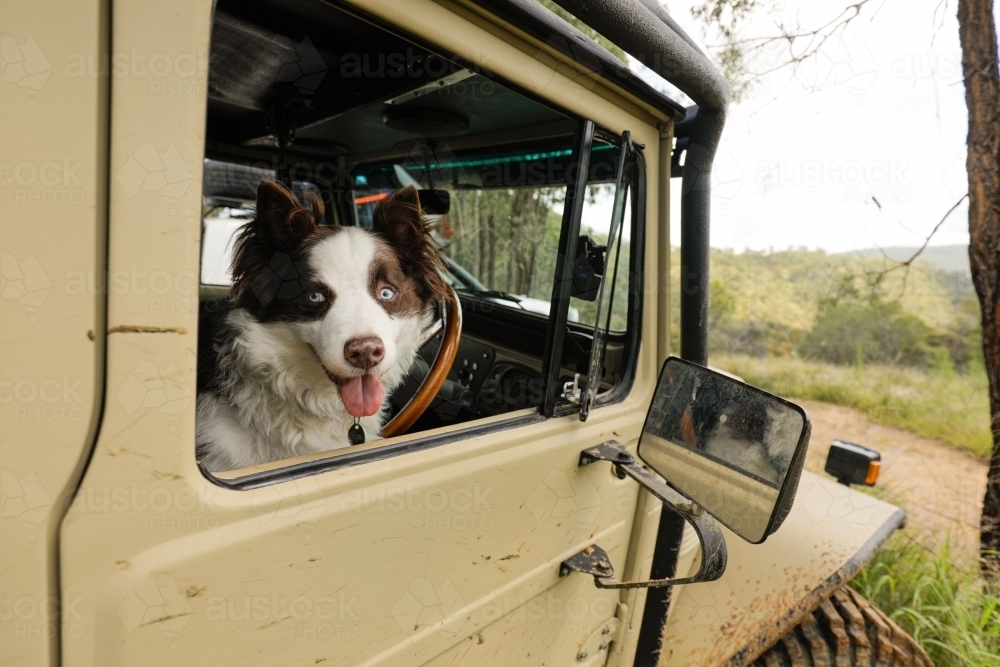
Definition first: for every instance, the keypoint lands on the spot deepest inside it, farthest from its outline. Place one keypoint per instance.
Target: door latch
(572, 391)
(596, 562)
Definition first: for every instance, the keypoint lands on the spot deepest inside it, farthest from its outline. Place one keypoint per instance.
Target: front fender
(831, 532)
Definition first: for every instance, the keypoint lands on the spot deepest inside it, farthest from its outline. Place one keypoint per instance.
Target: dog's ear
(281, 219)
(265, 255)
(399, 220)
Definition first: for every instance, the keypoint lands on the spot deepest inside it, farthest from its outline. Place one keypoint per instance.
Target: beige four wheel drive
(554, 488)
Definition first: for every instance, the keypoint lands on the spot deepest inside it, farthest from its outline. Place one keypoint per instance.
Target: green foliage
(874, 332)
(508, 238)
(810, 303)
(726, 16)
(951, 612)
(722, 302)
(756, 339)
(936, 403)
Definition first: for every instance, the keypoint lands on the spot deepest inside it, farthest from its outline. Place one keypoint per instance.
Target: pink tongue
(362, 396)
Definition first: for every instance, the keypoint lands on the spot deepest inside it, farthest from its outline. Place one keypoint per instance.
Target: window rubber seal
(349, 459)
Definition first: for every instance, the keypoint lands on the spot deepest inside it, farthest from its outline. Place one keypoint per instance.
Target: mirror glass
(735, 450)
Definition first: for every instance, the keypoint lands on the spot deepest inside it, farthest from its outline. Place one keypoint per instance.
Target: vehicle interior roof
(304, 57)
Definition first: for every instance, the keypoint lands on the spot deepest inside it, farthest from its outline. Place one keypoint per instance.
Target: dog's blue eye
(385, 294)
(316, 297)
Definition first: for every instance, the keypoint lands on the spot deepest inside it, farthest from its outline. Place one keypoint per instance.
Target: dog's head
(358, 298)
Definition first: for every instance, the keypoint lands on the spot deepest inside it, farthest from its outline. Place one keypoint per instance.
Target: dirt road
(940, 488)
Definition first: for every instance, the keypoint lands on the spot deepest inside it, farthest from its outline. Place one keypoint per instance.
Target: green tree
(852, 332)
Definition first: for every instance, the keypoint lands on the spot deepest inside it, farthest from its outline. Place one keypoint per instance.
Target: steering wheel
(451, 314)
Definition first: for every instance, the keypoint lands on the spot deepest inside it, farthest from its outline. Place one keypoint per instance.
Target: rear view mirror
(434, 202)
(733, 449)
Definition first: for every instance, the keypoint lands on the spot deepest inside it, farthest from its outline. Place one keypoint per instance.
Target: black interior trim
(568, 236)
(545, 26)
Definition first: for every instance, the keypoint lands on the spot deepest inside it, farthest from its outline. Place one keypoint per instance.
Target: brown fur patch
(387, 272)
(399, 221)
(271, 278)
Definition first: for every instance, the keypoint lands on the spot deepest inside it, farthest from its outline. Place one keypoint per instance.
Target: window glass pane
(596, 223)
(501, 234)
(508, 239)
(616, 253)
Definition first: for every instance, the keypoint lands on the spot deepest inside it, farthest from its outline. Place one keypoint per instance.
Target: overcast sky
(881, 113)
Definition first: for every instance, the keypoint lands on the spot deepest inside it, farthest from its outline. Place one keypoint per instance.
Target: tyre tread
(846, 630)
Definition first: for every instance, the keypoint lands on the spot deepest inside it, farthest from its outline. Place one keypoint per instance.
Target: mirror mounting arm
(595, 561)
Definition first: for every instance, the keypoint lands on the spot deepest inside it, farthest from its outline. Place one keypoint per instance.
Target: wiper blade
(488, 294)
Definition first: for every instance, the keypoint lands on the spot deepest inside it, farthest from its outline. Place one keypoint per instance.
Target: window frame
(632, 336)
(553, 405)
(636, 286)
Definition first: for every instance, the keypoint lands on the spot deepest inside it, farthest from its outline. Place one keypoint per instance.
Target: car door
(438, 547)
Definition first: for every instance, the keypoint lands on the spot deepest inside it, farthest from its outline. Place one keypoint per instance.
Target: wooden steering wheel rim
(451, 313)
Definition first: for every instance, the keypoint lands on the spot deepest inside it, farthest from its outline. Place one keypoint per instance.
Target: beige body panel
(52, 216)
(394, 562)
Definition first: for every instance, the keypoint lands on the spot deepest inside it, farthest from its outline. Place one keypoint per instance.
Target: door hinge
(607, 636)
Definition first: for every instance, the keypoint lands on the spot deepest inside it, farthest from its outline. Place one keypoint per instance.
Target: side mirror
(588, 269)
(730, 453)
(733, 449)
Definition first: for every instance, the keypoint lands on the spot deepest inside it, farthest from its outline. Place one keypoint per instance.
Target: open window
(339, 108)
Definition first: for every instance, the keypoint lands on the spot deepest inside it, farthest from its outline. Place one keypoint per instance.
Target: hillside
(945, 257)
(785, 287)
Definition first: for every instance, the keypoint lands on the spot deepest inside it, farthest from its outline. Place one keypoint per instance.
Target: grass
(940, 404)
(947, 608)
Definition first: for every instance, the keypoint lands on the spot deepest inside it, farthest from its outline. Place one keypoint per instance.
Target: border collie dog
(323, 322)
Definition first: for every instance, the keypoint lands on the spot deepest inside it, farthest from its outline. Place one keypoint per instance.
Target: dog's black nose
(364, 352)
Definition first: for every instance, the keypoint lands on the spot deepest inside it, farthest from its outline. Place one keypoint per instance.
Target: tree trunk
(491, 248)
(978, 36)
